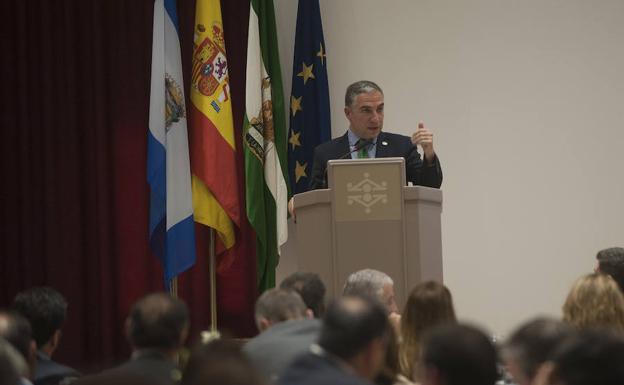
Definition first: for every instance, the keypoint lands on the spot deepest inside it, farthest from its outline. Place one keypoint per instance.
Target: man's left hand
(424, 137)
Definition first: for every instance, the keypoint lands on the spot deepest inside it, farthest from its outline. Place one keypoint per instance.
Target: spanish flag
(212, 145)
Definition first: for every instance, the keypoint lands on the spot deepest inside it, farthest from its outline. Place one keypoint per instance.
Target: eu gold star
(294, 139)
(300, 171)
(295, 104)
(321, 53)
(306, 72)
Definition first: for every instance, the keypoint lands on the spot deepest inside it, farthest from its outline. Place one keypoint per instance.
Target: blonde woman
(429, 304)
(595, 300)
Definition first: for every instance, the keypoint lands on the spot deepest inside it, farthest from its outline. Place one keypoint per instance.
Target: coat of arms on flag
(210, 74)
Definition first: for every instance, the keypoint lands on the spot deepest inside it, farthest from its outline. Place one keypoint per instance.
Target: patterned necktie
(363, 151)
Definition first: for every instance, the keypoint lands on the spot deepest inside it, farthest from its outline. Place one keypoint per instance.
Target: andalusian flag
(265, 142)
(171, 228)
(213, 150)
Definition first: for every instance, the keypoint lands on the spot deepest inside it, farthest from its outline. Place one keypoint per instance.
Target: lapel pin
(384, 143)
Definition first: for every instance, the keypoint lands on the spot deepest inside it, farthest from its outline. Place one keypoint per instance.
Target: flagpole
(173, 287)
(213, 333)
(213, 284)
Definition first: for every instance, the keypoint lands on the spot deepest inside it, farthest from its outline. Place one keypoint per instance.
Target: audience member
(12, 365)
(595, 300)
(351, 346)
(287, 330)
(531, 345)
(429, 304)
(593, 357)
(611, 262)
(390, 373)
(310, 288)
(156, 328)
(457, 355)
(45, 309)
(379, 286)
(219, 362)
(16, 330)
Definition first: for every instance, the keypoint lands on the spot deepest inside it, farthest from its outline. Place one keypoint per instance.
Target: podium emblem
(367, 193)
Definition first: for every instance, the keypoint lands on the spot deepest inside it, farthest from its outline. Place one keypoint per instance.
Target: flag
(171, 228)
(264, 142)
(310, 122)
(213, 149)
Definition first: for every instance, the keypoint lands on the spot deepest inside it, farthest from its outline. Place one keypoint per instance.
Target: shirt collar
(354, 138)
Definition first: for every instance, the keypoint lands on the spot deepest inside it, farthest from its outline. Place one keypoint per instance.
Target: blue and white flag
(171, 227)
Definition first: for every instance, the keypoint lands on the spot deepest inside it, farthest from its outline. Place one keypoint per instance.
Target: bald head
(158, 321)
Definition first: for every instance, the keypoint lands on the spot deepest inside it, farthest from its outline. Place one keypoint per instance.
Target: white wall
(526, 100)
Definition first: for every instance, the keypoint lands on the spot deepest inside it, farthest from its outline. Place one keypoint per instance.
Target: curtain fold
(74, 198)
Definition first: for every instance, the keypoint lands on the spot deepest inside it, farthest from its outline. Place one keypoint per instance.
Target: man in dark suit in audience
(592, 357)
(287, 329)
(311, 289)
(45, 309)
(351, 347)
(531, 346)
(364, 108)
(611, 262)
(156, 328)
(458, 354)
(375, 284)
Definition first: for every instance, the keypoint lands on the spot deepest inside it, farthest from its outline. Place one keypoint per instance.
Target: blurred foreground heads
(219, 362)
(458, 355)
(351, 347)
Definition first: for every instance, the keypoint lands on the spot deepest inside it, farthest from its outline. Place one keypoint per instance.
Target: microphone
(363, 143)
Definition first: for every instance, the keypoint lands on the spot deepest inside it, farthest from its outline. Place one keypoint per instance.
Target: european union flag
(309, 98)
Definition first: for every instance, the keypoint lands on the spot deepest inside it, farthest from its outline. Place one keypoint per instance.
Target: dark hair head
(359, 87)
(16, 330)
(310, 288)
(611, 261)
(590, 357)
(277, 305)
(219, 362)
(462, 355)
(45, 309)
(534, 343)
(351, 324)
(157, 321)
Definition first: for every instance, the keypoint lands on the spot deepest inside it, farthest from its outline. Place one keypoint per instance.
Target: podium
(368, 218)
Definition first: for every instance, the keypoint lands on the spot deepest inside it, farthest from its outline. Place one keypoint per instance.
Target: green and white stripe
(266, 171)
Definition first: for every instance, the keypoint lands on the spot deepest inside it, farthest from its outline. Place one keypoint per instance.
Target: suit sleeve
(318, 175)
(419, 173)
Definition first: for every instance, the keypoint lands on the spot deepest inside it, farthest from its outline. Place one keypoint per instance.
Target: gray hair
(359, 87)
(278, 305)
(367, 283)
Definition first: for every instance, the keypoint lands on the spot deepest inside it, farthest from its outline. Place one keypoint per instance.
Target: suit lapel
(382, 149)
(343, 146)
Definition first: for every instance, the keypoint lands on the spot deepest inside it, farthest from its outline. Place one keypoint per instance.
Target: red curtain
(74, 199)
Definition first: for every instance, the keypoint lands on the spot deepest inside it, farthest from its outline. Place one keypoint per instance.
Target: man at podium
(364, 108)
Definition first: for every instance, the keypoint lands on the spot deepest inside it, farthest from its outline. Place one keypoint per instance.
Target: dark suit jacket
(312, 369)
(417, 172)
(275, 348)
(147, 366)
(49, 372)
